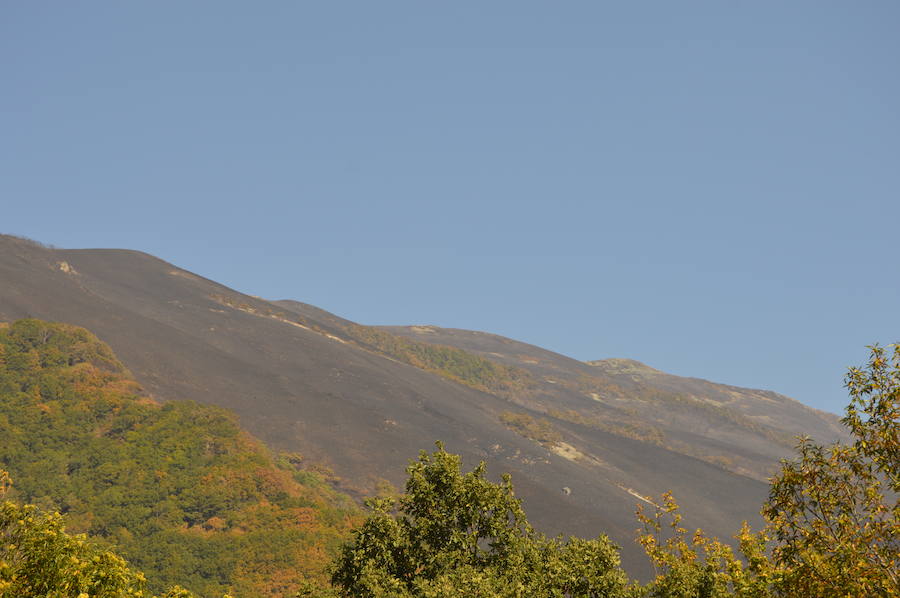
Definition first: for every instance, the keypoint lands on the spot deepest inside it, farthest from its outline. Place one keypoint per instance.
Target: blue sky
(708, 187)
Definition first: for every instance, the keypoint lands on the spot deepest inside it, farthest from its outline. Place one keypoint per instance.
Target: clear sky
(708, 187)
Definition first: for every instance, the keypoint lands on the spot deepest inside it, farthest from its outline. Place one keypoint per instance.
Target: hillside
(362, 400)
(178, 489)
(739, 429)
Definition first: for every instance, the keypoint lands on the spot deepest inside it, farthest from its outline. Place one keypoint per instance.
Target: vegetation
(449, 362)
(261, 308)
(37, 558)
(835, 511)
(177, 488)
(537, 429)
(703, 410)
(696, 565)
(648, 412)
(460, 535)
(833, 514)
(626, 427)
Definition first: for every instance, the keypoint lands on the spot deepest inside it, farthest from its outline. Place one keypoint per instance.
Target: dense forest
(190, 501)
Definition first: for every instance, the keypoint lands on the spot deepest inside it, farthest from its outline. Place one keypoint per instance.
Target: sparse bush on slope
(457, 365)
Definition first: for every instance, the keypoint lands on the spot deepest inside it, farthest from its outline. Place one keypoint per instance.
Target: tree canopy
(834, 512)
(458, 534)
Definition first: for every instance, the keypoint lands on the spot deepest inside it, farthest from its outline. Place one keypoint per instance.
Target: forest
(178, 489)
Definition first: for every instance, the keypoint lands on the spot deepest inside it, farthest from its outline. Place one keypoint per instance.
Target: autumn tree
(834, 512)
(458, 534)
(697, 566)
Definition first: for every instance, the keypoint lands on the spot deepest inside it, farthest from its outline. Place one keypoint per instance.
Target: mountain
(584, 442)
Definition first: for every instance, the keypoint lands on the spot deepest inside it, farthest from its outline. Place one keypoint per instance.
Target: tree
(37, 558)
(699, 566)
(834, 512)
(459, 534)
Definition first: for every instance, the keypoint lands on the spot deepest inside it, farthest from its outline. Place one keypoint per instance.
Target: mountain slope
(363, 401)
(743, 430)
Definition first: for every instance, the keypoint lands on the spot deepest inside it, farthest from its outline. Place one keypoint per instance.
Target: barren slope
(740, 429)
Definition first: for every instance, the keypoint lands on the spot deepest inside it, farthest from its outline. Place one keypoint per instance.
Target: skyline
(710, 190)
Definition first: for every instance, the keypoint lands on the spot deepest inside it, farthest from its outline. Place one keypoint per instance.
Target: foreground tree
(459, 534)
(697, 566)
(833, 514)
(38, 559)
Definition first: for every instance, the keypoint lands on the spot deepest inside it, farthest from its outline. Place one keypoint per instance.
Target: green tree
(457, 534)
(39, 559)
